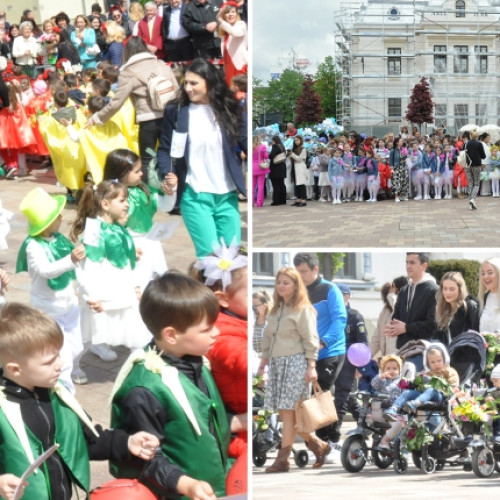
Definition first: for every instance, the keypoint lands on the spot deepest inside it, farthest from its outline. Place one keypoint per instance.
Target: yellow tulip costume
(125, 119)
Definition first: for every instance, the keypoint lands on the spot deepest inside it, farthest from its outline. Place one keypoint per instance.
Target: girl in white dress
(489, 300)
(109, 292)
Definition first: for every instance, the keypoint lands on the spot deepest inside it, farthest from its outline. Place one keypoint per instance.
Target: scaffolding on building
(363, 35)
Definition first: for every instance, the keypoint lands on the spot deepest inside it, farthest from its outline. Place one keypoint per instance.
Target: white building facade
(383, 49)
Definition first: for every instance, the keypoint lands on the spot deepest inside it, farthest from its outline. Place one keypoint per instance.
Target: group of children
(172, 319)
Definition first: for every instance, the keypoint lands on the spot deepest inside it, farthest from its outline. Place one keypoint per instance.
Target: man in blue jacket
(331, 321)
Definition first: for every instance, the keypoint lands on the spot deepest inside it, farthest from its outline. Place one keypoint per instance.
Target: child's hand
(95, 305)
(66, 121)
(138, 253)
(239, 422)
(78, 254)
(382, 376)
(194, 489)
(8, 484)
(143, 445)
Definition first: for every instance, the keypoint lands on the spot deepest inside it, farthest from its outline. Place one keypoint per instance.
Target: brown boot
(281, 464)
(320, 449)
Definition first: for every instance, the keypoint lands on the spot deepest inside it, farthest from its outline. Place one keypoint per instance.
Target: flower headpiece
(219, 266)
(230, 3)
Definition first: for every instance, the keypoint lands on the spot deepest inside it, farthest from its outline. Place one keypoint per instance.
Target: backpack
(160, 91)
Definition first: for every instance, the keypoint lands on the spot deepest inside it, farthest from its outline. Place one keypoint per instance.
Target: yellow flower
(224, 264)
(153, 361)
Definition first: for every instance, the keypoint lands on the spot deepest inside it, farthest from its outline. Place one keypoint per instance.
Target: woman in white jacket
(299, 170)
(26, 49)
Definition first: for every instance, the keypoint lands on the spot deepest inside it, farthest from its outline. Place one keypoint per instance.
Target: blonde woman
(261, 306)
(290, 347)
(135, 14)
(84, 40)
(233, 33)
(456, 310)
(115, 35)
(489, 277)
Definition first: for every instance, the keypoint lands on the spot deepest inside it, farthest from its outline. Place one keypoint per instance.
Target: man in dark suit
(177, 42)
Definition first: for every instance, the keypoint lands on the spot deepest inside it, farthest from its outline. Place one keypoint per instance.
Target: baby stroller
(355, 450)
(438, 439)
(266, 436)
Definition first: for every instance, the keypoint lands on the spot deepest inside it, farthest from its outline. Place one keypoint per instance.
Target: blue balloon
(359, 354)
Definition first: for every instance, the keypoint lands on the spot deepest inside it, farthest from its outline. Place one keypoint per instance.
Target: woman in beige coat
(290, 347)
(138, 66)
(298, 156)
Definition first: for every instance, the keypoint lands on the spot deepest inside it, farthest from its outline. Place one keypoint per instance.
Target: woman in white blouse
(489, 278)
(26, 49)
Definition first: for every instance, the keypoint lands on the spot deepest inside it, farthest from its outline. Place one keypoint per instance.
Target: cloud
(282, 26)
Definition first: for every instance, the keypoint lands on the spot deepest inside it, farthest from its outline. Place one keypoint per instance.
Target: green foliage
(469, 269)
(325, 86)
(330, 264)
(282, 94)
(415, 436)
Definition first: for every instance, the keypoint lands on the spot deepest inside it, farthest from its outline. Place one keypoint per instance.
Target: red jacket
(157, 39)
(229, 365)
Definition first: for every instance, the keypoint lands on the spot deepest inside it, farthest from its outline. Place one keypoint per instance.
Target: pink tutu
(337, 181)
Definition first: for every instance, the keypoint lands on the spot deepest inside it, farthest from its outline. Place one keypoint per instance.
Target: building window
(394, 108)
(440, 58)
(481, 111)
(461, 115)
(481, 59)
(349, 268)
(441, 115)
(461, 59)
(263, 264)
(460, 8)
(393, 13)
(394, 62)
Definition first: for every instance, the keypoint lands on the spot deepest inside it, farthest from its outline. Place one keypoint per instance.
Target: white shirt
(490, 317)
(21, 45)
(175, 30)
(207, 171)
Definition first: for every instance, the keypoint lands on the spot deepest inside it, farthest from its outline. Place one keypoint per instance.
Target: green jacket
(198, 453)
(18, 447)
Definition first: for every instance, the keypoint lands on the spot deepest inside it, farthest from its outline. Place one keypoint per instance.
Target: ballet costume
(437, 177)
(360, 177)
(447, 176)
(348, 174)
(429, 165)
(495, 175)
(139, 224)
(414, 163)
(106, 275)
(373, 179)
(336, 177)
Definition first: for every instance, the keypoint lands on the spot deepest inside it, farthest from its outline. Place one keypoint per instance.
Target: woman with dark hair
(397, 162)
(62, 21)
(100, 37)
(200, 136)
(138, 66)
(474, 153)
(13, 34)
(66, 49)
(278, 171)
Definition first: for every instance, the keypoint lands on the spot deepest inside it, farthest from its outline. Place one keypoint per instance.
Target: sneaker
(78, 376)
(322, 200)
(418, 197)
(412, 406)
(390, 415)
(472, 204)
(404, 198)
(334, 456)
(12, 173)
(396, 199)
(104, 352)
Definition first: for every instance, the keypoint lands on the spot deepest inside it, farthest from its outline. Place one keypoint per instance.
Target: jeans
(428, 395)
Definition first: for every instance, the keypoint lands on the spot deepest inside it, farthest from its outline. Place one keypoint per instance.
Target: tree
(282, 94)
(420, 108)
(325, 86)
(330, 263)
(309, 110)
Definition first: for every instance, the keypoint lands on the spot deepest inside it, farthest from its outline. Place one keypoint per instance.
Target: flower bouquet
(468, 409)
(415, 436)
(492, 350)
(422, 382)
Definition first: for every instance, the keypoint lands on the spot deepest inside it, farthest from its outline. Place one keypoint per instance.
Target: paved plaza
(179, 253)
(385, 224)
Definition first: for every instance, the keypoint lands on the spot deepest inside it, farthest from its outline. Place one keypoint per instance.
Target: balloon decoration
(359, 354)
(236, 480)
(122, 489)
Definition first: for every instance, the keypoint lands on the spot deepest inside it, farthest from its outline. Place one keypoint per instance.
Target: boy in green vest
(166, 390)
(37, 411)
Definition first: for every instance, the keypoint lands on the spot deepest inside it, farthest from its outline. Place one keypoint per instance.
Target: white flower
(153, 361)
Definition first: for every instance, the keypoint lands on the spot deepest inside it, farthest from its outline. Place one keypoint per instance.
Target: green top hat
(41, 209)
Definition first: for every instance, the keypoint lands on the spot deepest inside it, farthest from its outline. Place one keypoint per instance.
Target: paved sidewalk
(179, 253)
(385, 224)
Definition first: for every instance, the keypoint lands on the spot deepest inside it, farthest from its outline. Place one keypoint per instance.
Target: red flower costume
(229, 363)
(35, 108)
(385, 174)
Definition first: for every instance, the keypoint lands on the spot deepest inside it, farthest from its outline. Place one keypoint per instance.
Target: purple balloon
(359, 354)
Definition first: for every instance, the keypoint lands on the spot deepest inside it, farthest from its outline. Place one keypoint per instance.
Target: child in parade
(225, 273)
(348, 174)
(323, 179)
(359, 168)
(429, 165)
(109, 290)
(436, 364)
(387, 382)
(335, 173)
(37, 411)
(495, 171)
(51, 259)
(373, 181)
(414, 164)
(167, 390)
(144, 201)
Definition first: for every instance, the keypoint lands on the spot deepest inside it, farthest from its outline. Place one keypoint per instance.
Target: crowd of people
(304, 331)
(341, 167)
(137, 111)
